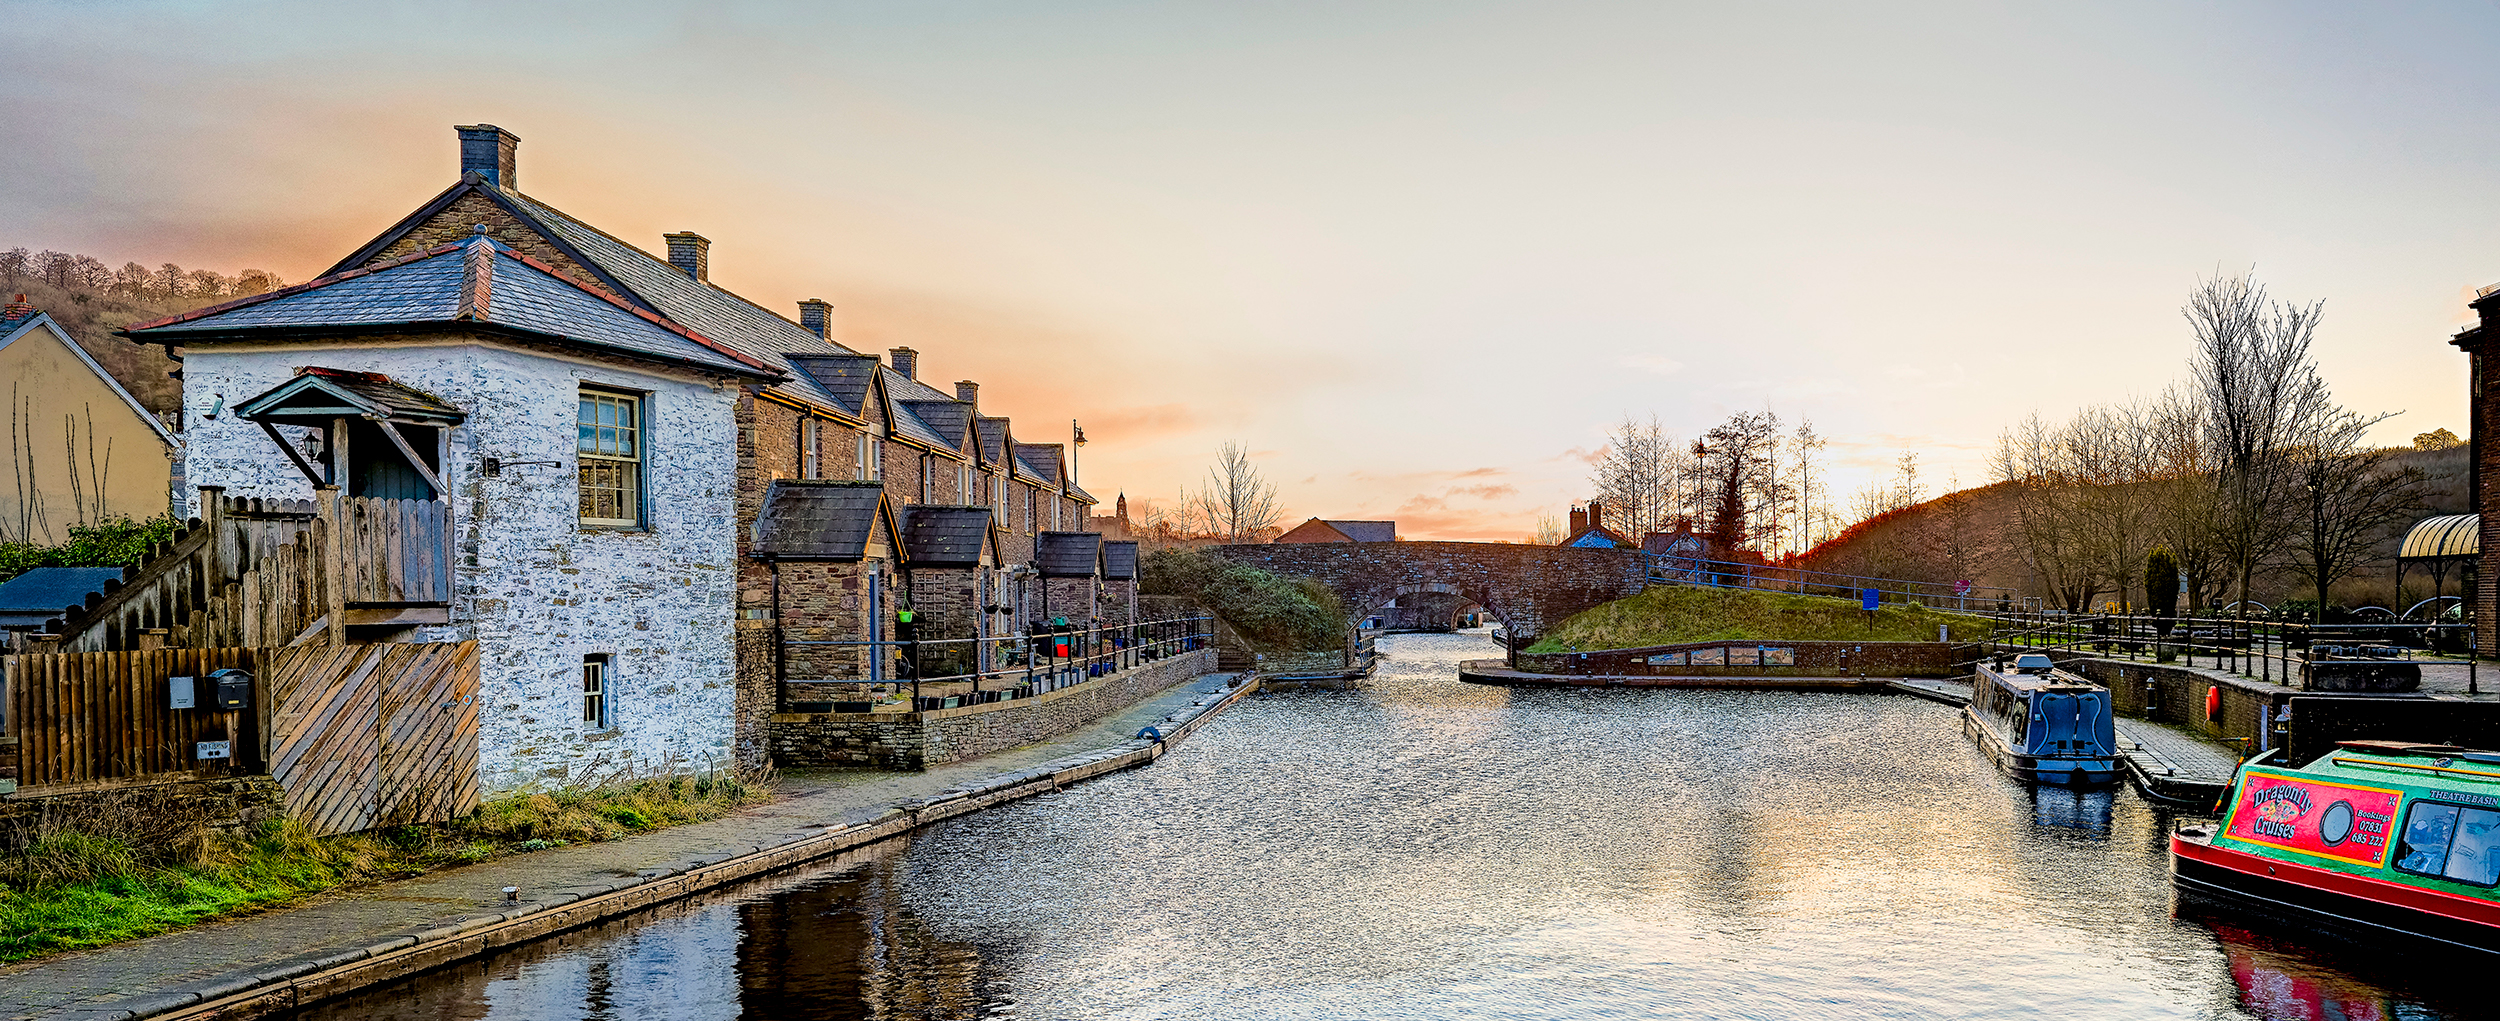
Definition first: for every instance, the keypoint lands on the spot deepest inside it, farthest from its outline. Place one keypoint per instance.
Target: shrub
(1273, 613)
(119, 542)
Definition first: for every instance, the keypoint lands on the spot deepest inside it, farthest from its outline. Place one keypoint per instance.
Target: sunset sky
(1418, 257)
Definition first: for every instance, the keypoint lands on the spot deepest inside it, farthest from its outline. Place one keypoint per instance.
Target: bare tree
(2262, 397)
(1640, 477)
(1549, 531)
(1735, 462)
(2352, 497)
(2049, 521)
(1237, 503)
(1804, 480)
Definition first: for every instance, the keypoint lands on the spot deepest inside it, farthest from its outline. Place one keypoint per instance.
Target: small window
(2451, 842)
(610, 449)
(867, 467)
(595, 691)
(928, 478)
(810, 434)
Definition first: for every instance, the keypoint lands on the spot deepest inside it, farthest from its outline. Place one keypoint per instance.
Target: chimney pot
(490, 152)
(906, 361)
(966, 390)
(1596, 515)
(816, 314)
(691, 253)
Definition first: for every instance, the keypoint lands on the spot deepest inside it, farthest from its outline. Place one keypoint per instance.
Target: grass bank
(109, 872)
(1669, 614)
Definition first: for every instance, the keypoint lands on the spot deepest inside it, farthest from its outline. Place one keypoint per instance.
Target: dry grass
(1669, 614)
(111, 870)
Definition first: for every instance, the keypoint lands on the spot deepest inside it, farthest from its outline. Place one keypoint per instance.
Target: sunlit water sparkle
(1424, 848)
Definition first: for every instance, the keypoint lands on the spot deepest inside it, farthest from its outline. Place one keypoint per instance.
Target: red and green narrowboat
(2374, 836)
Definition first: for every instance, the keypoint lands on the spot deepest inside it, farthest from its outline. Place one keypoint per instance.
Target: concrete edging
(324, 975)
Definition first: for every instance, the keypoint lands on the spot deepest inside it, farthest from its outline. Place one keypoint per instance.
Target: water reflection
(1430, 849)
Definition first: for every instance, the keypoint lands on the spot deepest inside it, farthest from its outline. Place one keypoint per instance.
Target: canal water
(1424, 848)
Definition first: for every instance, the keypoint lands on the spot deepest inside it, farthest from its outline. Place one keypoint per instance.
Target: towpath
(151, 976)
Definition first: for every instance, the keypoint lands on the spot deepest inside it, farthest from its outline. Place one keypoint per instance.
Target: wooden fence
(87, 720)
(359, 736)
(254, 572)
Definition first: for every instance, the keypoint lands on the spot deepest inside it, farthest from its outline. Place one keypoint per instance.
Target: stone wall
(149, 813)
(924, 739)
(536, 589)
(2318, 721)
(1530, 588)
(1806, 659)
(2176, 695)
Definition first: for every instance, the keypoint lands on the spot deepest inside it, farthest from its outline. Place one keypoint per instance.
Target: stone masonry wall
(1811, 659)
(2176, 695)
(1530, 588)
(535, 589)
(921, 740)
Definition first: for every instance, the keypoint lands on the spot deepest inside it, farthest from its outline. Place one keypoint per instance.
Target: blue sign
(1867, 598)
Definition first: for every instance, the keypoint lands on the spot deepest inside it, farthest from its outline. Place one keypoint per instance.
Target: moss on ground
(106, 875)
(1671, 614)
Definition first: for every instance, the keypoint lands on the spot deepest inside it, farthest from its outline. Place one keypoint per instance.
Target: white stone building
(593, 547)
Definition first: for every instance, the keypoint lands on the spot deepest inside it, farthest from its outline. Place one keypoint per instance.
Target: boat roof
(2408, 762)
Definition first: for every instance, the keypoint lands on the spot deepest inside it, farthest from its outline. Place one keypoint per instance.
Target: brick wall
(921, 740)
(826, 602)
(1072, 598)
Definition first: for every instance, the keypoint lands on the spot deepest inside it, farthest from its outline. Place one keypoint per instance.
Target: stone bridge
(1530, 588)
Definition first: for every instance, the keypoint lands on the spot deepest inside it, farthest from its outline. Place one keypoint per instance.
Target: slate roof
(1367, 531)
(380, 396)
(1068, 554)
(943, 536)
(1119, 560)
(474, 283)
(818, 520)
(993, 432)
(42, 593)
(948, 419)
(1594, 538)
(845, 378)
(1041, 460)
(642, 279)
(905, 424)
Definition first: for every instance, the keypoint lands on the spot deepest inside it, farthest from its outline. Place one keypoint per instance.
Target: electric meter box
(180, 693)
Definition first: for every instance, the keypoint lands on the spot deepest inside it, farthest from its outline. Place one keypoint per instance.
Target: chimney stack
(1579, 521)
(692, 253)
(816, 314)
(1596, 519)
(906, 361)
(968, 391)
(488, 151)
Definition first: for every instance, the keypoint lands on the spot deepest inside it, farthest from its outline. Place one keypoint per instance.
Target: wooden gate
(362, 736)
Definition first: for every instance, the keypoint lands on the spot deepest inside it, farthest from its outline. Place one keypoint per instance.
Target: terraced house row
(656, 500)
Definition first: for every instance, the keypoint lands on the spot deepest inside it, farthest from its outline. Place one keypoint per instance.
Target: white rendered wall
(537, 591)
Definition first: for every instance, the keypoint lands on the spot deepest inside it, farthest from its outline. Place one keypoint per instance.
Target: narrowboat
(2043, 724)
(2374, 837)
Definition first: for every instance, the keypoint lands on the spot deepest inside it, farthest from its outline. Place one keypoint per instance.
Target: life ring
(1150, 734)
(2213, 702)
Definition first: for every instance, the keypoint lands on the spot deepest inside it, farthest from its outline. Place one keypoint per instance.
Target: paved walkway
(232, 953)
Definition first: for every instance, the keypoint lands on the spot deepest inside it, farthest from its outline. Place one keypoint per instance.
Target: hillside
(1968, 534)
(1669, 614)
(91, 300)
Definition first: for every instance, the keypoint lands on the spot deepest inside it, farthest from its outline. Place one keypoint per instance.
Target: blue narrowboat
(2043, 724)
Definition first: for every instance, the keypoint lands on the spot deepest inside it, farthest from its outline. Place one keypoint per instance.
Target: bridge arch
(1530, 588)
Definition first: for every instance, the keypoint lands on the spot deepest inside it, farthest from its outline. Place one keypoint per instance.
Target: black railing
(1044, 657)
(2268, 650)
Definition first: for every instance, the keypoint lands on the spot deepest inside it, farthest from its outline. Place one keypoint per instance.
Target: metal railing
(1044, 657)
(1953, 595)
(2268, 650)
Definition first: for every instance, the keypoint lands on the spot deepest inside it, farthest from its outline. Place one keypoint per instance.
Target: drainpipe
(781, 647)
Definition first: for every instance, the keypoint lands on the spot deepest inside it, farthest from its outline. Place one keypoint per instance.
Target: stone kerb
(919, 740)
(1529, 588)
(1803, 659)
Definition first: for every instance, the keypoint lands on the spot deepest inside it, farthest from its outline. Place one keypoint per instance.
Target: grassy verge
(110, 873)
(1669, 614)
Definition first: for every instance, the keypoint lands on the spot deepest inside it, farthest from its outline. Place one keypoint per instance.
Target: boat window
(2451, 842)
